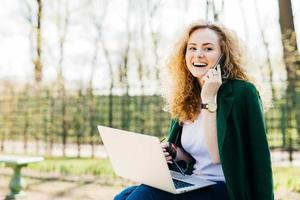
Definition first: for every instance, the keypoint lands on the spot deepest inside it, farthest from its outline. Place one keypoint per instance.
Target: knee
(119, 196)
(146, 193)
(123, 195)
(140, 192)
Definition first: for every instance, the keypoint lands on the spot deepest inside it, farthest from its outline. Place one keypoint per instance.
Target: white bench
(17, 183)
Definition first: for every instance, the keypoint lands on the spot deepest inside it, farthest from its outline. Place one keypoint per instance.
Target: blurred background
(67, 66)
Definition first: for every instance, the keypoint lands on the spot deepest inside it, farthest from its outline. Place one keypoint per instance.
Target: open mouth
(199, 64)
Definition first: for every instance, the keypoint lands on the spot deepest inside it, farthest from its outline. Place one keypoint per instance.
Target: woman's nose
(199, 53)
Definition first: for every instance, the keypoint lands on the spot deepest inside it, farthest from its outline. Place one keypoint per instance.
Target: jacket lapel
(175, 132)
(225, 101)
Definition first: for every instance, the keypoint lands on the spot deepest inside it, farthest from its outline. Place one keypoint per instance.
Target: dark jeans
(144, 192)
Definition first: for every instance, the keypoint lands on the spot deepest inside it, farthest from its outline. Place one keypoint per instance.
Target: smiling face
(202, 51)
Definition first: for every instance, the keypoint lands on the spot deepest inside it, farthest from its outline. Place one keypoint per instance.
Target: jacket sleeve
(175, 132)
(260, 162)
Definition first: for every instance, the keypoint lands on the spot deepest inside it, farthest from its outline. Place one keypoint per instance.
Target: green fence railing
(72, 117)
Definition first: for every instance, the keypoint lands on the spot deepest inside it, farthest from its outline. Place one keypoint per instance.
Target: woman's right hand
(165, 146)
(210, 84)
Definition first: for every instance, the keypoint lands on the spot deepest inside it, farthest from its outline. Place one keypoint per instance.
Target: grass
(285, 178)
(76, 166)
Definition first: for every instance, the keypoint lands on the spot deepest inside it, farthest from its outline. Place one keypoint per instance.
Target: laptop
(140, 158)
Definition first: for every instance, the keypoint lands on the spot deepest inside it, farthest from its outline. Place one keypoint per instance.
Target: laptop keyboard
(181, 184)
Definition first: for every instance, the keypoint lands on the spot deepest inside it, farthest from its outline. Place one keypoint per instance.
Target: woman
(218, 124)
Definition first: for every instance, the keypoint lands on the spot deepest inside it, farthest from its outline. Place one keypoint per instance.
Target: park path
(62, 189)
(43, 189)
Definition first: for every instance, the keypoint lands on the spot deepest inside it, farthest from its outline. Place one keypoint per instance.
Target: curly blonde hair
(184, 98)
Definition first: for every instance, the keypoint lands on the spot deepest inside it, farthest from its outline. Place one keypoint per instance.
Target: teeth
(199, 64)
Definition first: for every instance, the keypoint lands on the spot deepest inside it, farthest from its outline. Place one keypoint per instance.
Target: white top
(192, 140)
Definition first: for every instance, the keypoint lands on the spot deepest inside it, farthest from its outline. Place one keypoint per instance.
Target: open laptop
(140, 158)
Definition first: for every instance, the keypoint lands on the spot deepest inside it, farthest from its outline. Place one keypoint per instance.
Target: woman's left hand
(210, 84)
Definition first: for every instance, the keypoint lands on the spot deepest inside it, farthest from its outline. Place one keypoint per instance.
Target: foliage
(69, 116)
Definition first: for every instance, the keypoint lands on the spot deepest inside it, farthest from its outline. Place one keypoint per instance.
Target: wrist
(209, 99)
(211, 106)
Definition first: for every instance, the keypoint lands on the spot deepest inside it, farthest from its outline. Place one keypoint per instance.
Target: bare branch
(266, 45)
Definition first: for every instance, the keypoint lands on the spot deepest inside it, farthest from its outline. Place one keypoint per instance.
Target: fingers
(164, 144)
(215, 75)
(166, 153)
(168, 157)
(212, 75)
(219, 72)
(202, 81)
(218, 69)
(207, 76)
(210, 83)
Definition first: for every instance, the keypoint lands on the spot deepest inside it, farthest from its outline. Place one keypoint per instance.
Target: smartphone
(221, 62)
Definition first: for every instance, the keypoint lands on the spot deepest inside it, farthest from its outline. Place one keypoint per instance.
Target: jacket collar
(225, 101)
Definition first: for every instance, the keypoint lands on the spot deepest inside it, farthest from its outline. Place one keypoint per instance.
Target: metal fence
(59, 116)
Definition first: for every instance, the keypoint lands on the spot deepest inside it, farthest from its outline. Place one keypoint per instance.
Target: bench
(17, 183)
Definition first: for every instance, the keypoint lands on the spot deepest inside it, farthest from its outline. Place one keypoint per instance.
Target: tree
(212, 13)
(292, 64)
(266, 46)
(98, 17)
(37, 60)
(62, 15)
(124, 68)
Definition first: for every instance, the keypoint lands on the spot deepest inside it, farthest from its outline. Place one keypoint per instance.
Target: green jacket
(242, 142)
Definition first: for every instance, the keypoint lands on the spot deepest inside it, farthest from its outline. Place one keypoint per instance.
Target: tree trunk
(125, 101)
(291, 56)
(37, 60)
(64, 120)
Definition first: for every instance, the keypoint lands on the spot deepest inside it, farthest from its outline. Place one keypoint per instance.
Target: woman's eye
(192, 49)
(208, 49)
